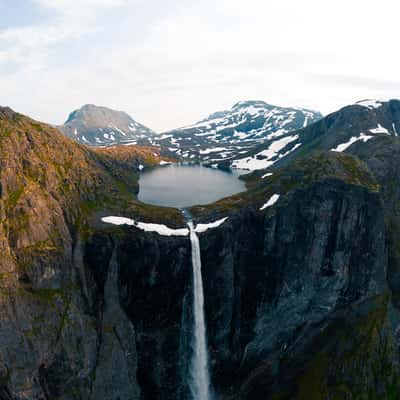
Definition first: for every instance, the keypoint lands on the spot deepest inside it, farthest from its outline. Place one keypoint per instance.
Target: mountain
(227, 134)
(357, 123)
(301, 277)
(52, 191)
(101, 126)
(223, 135)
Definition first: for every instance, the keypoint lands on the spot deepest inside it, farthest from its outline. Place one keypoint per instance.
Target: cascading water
(199, 373)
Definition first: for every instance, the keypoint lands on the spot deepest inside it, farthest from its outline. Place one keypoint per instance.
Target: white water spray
(199, 372)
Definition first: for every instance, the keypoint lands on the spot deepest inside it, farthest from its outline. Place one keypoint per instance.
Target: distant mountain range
(253, 135)
(223, 135)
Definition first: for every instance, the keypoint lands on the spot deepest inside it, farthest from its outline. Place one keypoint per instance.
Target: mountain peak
(103, 126)
(6, 112)
(246, 103)
(228, 134)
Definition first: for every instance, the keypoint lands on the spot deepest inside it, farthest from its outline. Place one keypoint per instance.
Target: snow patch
(379, 129)
(394, 129)
(200, 228)
(213, 150)
(266, 175)
(162, 230)
(343, 146)
(371, 104)
(272, 152)
(240, 135)
(164, 137)
(272, 200)
(119, 130)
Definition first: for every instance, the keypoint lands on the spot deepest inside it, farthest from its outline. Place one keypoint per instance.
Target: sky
(170, 63)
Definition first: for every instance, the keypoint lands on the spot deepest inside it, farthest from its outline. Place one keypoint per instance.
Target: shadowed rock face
(273, 284)
(154, 283)
(270, 283)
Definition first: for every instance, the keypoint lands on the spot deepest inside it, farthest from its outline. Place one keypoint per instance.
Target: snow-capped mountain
(226, 134)
(339, 131)
(101, 126)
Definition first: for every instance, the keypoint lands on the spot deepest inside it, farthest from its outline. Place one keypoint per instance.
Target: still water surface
(184, 185)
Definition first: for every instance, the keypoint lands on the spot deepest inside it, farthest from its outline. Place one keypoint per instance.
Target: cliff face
(153, 289)
(274, 285)
(295, 298)
(56, 338)
(300, 299)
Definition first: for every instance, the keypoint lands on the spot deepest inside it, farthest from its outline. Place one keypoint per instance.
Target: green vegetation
(354, 354)
(37, 126)
(5, 133)
(14, 197)
(46, 296)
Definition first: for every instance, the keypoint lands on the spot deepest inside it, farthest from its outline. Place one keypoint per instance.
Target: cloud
(28, 47)
(172, 62)
(359, 82)
(81, 7)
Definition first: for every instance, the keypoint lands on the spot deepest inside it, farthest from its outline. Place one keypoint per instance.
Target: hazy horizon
(172, 63)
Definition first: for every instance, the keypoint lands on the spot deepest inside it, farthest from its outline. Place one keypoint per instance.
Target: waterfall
(199, 372)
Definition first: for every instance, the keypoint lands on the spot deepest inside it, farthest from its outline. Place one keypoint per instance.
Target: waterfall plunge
(199, 372)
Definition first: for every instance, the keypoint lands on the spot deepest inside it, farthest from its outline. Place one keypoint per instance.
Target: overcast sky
(169, 63)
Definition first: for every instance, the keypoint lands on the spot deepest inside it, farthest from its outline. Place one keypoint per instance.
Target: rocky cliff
(53, 328)
(301, 298)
